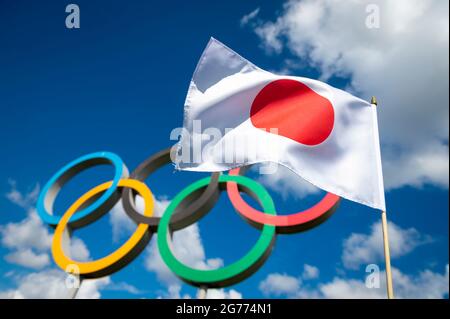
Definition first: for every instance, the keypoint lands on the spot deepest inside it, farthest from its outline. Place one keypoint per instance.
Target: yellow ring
(119, 257)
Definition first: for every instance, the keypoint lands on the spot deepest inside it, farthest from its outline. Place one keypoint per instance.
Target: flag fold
(237, 114)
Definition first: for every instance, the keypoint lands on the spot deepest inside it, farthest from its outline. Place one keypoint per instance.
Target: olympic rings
(191, 204)
(185, 215)
(285, 224)
(105, 202)
(240, 269)
(122, 256)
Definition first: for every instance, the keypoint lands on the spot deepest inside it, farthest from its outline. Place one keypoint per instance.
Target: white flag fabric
(237, 114)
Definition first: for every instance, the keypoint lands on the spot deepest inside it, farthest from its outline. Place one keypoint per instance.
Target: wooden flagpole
(387, 255)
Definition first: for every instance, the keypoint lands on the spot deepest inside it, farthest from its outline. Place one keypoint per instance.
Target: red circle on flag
(295, 110)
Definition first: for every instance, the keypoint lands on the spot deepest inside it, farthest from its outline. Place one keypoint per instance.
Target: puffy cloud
(25, 201)
(78, 250)
(340, 288)
(28, 258)
(40, 285)
(359, 249)
(28, 233)
(189, 249)
(30, 241)
(223, 294)
(426, 284)
(122, 224)
(174, 292)
(29, 238)
(404, 63)
(310, 272)
(50, 284)
(286, 183)
(280, 284)
(90, 289)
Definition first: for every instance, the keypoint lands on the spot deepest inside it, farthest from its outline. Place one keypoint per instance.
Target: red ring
(285, 224)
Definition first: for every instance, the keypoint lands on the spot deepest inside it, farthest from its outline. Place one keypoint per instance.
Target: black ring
(199, 203)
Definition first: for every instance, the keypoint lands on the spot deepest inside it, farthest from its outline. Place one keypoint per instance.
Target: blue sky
(119, 83)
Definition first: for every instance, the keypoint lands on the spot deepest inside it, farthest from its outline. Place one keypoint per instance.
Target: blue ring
(120, 169)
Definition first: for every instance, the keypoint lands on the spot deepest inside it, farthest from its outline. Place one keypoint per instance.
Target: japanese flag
(237, 114)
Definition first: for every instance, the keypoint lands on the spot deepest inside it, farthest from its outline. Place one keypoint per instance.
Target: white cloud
(90, 289)
(31, 241)
(364, 249)
(120, 222)
(28, 233)
(428, 167)
(223, 294)
(25, 201)
(123, 225)
(173, 292)
(340, 288)
(360, 249)
(188, 248)
(78, 250)
(28, 258)
(277, 284)
(50, 284)
(40, 285)
(404, 63)
(288, 184)
(280, 284)
(310, 272)
(248, 17)
(426, 284)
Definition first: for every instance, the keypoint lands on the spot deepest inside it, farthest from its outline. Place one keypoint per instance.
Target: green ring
(238, 270)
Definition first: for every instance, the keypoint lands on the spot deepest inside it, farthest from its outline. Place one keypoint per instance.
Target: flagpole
(73, 292)
(202, 292)
(387, 255)
(71, 272)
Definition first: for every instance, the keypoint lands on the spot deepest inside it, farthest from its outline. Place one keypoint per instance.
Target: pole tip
(373, 100)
